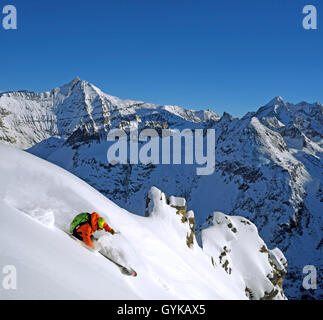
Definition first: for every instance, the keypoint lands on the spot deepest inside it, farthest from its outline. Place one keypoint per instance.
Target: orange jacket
(87, 229)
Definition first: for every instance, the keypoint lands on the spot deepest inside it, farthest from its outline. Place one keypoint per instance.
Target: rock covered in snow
(233, 244)
(173, 212)
(177, 201)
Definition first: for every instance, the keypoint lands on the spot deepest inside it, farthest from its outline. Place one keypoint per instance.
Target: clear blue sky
(227, 55)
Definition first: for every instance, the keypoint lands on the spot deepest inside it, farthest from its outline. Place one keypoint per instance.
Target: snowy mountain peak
(73, 82)
(79, 107)
(226, 118)
(276, 101)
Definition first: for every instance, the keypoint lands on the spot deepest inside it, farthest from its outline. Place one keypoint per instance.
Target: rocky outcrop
(233, 242)
(156, 202)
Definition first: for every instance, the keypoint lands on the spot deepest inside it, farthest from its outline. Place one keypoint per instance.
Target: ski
(124, 270)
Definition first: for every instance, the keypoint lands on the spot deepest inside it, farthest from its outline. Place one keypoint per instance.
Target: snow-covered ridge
(40, 199)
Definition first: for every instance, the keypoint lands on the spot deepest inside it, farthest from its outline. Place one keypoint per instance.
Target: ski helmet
(101, 223)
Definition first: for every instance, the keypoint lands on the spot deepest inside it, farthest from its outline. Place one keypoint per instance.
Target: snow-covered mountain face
(268, 164)
(79, 110)
(38, 201)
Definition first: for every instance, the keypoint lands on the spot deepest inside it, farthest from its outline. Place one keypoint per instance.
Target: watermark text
(310, 280)
(152, 147)
(9, 281)
(9, 19)
(310, 20)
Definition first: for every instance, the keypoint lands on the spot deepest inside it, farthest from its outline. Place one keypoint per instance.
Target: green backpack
(80, 219)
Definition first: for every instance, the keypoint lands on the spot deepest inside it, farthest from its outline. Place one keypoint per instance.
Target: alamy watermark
(310, 20)
(155, 148)
(9, 280)
(9, 19)
(310, 280)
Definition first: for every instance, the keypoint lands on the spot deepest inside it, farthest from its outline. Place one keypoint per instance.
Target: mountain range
(268, 164)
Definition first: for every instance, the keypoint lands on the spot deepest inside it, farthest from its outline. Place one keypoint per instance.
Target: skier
(85, 224)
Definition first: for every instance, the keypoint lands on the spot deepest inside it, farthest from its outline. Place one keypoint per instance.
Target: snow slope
(37, 202)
